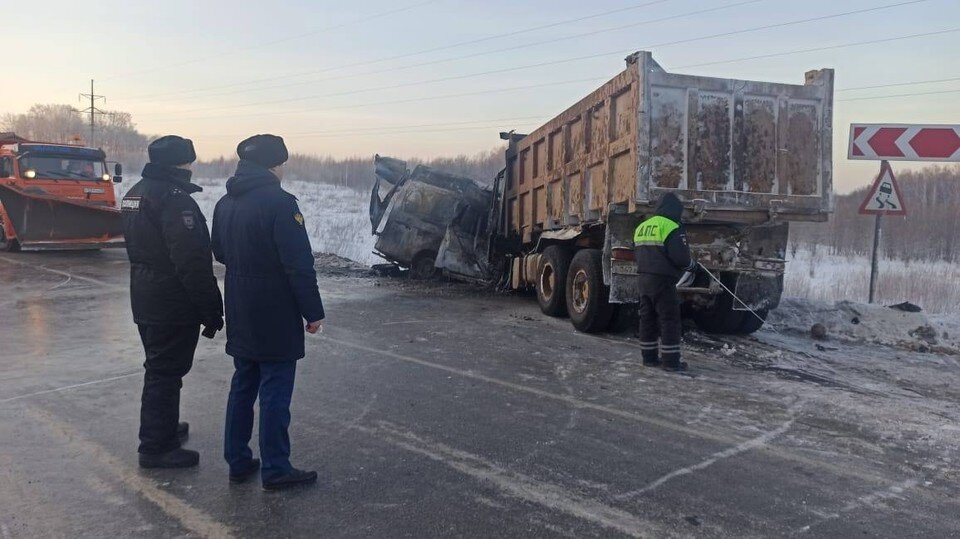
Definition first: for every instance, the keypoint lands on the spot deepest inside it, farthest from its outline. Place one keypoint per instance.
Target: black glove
(211, 328)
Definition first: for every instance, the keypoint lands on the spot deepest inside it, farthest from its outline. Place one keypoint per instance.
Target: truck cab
(56, 196)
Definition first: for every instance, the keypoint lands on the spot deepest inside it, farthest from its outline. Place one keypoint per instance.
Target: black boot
(651, 362)
(246, 472)
(183, 431)
(675, 366)
(294, 478)
(178, 458)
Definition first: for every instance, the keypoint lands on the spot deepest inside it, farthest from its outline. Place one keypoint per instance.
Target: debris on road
(858, 322)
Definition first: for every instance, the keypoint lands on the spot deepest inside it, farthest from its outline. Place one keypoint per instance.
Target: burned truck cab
(430, 221)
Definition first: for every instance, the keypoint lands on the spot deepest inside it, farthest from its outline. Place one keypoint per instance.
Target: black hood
(249, 176)
(166, 173)
(670, 207)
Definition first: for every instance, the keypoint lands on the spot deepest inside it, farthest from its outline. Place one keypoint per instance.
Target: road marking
(754, 443)
(73, 386)
(191, 518)
(838, 469)
(517, 485)
(90, 280)
(890, 492)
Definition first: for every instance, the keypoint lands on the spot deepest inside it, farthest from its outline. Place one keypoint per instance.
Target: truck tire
(751, 323)
(423, 266)
(720, 317)
(587, 298)
(552, 280)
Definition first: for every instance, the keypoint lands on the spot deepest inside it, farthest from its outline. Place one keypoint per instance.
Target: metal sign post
(877, 231)
(883, 198)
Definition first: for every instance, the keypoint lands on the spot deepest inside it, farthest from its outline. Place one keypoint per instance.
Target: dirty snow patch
(859, 322)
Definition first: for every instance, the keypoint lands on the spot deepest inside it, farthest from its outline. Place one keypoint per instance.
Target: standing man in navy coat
(271, 298)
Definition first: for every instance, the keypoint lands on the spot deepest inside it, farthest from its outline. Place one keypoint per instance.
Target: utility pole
(92, 109)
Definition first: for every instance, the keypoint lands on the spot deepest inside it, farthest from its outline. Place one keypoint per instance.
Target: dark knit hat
(267, 151)
(172, 150)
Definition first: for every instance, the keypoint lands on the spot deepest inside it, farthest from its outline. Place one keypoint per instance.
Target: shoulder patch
(189, 219)
(130, 204)
(298, 217)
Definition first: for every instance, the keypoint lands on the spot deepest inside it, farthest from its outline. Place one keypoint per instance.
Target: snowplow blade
(42, 221)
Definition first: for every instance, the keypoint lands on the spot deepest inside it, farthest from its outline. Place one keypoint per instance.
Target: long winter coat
(271, 285)
(171, 270)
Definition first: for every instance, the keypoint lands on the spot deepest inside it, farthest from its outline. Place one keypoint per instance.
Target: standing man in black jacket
(271, 298)
(172, 291)
(662, 254)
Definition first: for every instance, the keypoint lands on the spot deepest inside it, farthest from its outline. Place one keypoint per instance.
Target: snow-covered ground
(814, 274)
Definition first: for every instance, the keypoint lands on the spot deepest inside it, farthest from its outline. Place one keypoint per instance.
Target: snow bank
(859, 322)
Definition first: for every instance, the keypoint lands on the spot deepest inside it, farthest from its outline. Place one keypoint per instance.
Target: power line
(900, 95)
(567, 60)
(912, 83)
(276, 41)
(419, 52)
(489, 52)
(410, 100)
(664, 44)
(818, 49)
(415, 128)
(92, 109)
(427, 98)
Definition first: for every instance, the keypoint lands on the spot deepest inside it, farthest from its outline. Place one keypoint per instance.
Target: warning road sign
(884, 196)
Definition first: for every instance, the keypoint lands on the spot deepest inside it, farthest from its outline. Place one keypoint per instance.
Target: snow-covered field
(814, 274)
(337, 218)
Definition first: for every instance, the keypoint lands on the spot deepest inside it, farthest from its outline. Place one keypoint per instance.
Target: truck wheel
(587, 297)
(423, 266)
(720, 318)
(552, 280)
(751, 323)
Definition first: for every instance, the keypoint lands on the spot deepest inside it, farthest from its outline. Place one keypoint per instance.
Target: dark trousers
(659, 311)
(273, 383)
(169, 350)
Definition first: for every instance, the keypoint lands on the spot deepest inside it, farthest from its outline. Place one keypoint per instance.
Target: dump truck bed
(735, 151)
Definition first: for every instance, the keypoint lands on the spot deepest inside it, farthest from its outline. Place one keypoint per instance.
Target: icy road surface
(441, 410)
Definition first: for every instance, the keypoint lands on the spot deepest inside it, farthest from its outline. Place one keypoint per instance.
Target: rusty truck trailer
(746, 158)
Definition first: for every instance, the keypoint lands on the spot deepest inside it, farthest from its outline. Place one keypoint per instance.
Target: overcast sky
(318, 72)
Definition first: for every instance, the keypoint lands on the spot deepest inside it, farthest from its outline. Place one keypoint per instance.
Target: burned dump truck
(429, 219)
(745, 157)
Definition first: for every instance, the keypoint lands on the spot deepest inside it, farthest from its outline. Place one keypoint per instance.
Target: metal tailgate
(737, 145)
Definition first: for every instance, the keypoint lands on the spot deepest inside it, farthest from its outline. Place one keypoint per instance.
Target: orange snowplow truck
(56, 196)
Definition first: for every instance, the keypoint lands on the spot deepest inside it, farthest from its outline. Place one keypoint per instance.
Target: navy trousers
(273, 383)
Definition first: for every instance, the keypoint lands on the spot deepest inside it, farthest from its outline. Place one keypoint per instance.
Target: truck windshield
(60, 168)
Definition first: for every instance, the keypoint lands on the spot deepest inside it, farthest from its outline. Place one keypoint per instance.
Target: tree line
(117, 134)
(929, 231)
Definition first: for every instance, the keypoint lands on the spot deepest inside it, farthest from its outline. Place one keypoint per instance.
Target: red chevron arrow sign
(904, 142)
